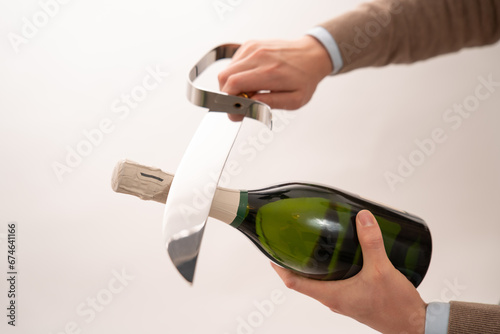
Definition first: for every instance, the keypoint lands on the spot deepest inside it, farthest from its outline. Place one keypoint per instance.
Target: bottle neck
(229, 206)
(148, 183)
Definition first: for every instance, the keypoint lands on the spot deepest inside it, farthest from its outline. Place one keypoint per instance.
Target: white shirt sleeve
(436, 318)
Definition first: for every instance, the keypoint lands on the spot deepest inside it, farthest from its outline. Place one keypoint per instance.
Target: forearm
(382, 32)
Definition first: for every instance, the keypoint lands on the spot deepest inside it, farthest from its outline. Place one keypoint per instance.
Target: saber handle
(222, 102)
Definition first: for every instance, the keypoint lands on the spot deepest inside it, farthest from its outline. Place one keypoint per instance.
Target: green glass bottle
(309, 229)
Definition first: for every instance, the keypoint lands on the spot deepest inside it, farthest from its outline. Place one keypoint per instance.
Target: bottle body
(311, 230)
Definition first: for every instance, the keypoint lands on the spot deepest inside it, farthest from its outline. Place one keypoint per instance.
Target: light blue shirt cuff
(436, 318)
(324, 37)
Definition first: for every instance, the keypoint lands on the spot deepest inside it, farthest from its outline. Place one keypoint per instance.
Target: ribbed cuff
(324, 37)
(466, 317)
(436, 318)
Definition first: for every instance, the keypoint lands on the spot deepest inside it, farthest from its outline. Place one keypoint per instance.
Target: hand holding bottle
(288, 70)
(379, 296)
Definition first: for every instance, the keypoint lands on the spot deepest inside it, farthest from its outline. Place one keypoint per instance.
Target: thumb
(235, 117)
(370, 239)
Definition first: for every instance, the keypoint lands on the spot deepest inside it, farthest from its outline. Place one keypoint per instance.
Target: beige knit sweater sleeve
(473, 318)
(382, 32)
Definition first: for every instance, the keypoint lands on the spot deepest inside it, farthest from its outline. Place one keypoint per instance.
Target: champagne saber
(202, 164)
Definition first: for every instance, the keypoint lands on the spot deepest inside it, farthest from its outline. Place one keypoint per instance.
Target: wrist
(326, 40)
(411, 321)
(318, 56)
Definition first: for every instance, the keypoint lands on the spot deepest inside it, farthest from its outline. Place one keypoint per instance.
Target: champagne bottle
(309, 229)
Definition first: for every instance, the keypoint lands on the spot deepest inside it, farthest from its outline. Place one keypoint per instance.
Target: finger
(319, 290)
(245, 49)
(370, 239)
(296, 282)
(249, 47)
(240, 62)
(281, 100)
(235, 117)
(234, 68)
(255, 73)
(246, 77)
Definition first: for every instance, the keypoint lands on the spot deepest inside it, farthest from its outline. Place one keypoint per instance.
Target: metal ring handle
(222, 102)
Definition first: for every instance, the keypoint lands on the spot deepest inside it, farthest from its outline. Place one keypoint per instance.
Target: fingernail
(365, 218)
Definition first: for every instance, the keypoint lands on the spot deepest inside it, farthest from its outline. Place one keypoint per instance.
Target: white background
(75, 234)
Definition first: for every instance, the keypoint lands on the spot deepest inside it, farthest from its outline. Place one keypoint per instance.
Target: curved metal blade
(192, 190)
